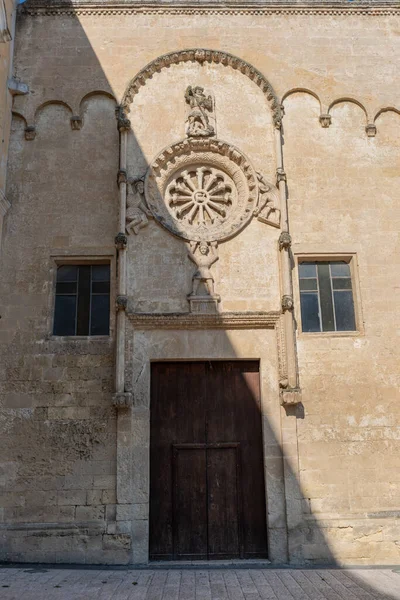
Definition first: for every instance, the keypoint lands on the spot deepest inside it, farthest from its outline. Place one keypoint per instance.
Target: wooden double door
(207, 495)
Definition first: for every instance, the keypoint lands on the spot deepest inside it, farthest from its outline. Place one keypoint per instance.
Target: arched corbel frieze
(202, 56)
(370, 127)
(75, 109)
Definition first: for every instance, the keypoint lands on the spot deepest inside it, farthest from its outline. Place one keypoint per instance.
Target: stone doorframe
(187, 337)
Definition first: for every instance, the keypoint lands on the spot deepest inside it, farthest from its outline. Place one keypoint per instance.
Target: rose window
(200, 196)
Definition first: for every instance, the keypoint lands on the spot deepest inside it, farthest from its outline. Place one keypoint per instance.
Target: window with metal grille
(326, 296)
(82, 304)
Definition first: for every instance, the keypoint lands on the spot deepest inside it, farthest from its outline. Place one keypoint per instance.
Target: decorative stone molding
(121, 302)
(201, 56)
(233, 320)
(280, 176)
(4, 204)
(282, 353)
(210, 202)
(290, 396)
(122, 400)
(30, 132)
(122, 177)
(287, 302)
(325, 120)
(285, 240)
(76, 123)
(121, 241)
(117, 7)
(371, 130)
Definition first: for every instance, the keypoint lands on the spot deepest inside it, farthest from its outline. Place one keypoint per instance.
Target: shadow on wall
(58, 430)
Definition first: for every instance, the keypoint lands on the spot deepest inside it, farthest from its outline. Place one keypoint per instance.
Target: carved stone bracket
(287, 303)
(285, 240)
(30, 132)
(290, 396)
(76, 123)
(121, 302)
(325, 120)
(202, 56)
(371, 130)
(16, 87)
(122, 400)
(121, 241)
(123, 123)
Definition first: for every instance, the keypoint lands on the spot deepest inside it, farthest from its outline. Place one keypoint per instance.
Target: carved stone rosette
(202, 189)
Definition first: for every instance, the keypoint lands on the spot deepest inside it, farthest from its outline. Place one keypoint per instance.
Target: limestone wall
(6, 54)
(60, 435)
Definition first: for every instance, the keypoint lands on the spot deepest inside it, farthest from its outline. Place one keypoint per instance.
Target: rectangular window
(82, 300)
(326, 296)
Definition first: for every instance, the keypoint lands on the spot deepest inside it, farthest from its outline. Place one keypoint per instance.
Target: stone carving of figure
(137, 213)
(267, 210)
(204, 255)
(198, 122)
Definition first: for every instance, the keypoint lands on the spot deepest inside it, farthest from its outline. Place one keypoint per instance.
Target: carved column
(290, 388)
(121, 243)
(121, 398)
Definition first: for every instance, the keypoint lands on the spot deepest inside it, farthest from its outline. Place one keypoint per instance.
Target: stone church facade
(199, 279)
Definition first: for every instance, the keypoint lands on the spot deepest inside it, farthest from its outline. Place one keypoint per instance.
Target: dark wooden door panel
(190, 503)
(207, 495)
(224, 519)
(176, 416)
(234, 415)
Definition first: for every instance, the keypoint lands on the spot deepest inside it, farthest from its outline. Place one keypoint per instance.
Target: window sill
(80, 338)
(329, 334)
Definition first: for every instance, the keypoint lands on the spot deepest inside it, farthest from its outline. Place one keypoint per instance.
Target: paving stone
(33, 583)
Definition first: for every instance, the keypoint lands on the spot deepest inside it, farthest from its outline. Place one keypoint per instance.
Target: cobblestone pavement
(32, 583)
